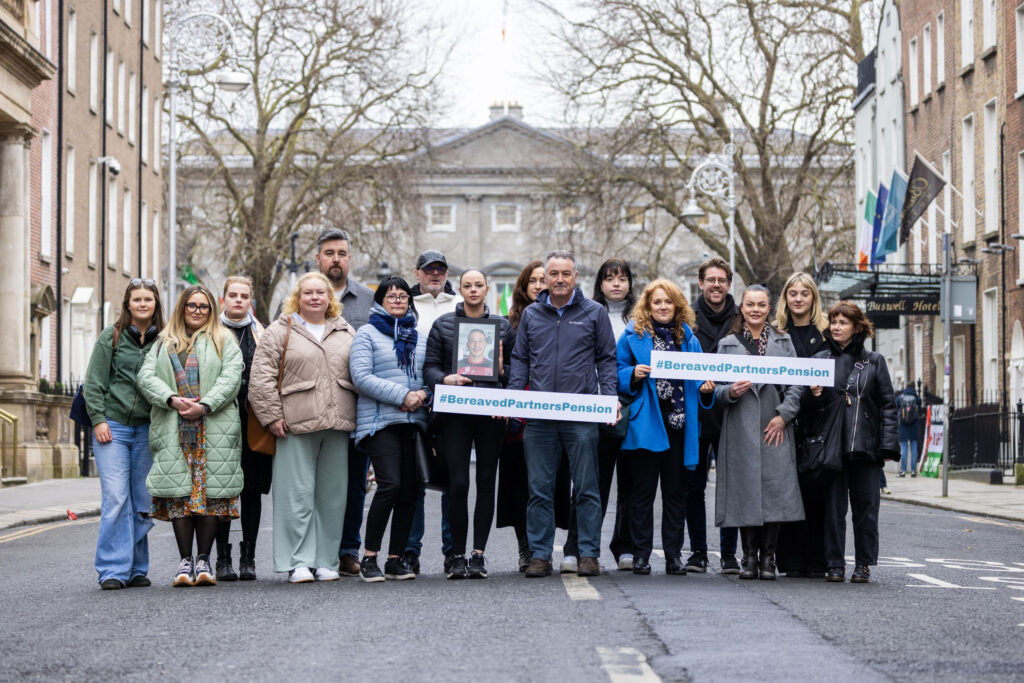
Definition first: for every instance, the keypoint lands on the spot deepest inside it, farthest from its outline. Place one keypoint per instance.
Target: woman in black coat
(869, 436)
(459, 433)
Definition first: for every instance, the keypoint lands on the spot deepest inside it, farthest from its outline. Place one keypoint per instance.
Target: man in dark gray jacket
(564, 344)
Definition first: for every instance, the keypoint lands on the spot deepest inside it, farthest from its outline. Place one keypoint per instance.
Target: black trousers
(392, 452)
(647, 468)
(802, 544)
(696, 512)
(858, 483)
(610, 459)
(459, 434)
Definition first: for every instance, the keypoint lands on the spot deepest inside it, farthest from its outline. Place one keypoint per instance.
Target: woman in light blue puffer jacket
(386, 364)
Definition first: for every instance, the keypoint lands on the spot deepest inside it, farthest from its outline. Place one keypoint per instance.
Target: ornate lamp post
(716, 178)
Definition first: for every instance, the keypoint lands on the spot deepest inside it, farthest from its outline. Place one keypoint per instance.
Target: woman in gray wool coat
(756, 478)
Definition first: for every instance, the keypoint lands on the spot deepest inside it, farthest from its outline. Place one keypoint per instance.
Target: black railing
(986, 435)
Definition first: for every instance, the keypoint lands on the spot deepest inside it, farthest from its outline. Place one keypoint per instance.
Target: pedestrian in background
(257, 468)
(756, 480)
(662, 438)
(870, 436)
(387, 370)
(613, 289)
(120, 419)
(190, 378)
(801, 547)
(303, 393)
(461, 434)
(910, 411)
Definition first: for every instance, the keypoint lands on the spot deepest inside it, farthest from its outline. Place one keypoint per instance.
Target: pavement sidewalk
(48, 501)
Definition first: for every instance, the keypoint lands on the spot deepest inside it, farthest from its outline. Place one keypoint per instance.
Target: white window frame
(1020, 218)
(116, 6)
(144, 238)
(157, 133)
(45, 20)
(72, 57)
(108, 88)
(94, 72)
(630, 210)
(989, 32)
(69, 199)
(947, 193)
(126, 230)
(933, 230)
(440, 227)
(919, 351)
(158, 20)
(1019, 17)
(146, 8)
(506, 227)
(144, 135)
(122, 107)
(128, 12)
(113, 201)
(966, 34)
(912, 72)
(991, 168)
(93, 205)
(156, 244)
(369, 211)
(132, 105)
(46, 195)
(564, 225)
(940, 49)
(926, 60)
(967, 184)
(990, 340)
(915, 237)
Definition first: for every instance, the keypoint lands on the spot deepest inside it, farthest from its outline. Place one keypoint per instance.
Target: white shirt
(316, 330)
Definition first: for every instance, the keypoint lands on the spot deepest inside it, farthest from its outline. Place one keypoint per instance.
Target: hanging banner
(729, 368)
(543, 405)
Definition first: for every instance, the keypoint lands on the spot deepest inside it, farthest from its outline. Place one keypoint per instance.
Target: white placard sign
(545, 405)
(730, 368)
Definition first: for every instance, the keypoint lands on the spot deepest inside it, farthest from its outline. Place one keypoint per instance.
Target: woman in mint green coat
(191, 378)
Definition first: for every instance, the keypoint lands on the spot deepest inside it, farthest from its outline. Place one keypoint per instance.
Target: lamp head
(233, 81)
(692, 210)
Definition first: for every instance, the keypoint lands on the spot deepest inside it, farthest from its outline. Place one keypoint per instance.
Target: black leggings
(202, 527)
(392, 452)
(459, 433)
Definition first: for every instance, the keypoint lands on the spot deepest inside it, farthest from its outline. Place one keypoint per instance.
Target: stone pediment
(505, 144)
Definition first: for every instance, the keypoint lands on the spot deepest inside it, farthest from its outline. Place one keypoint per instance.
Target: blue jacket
(381, 384)
(572, 354)
(646, 427)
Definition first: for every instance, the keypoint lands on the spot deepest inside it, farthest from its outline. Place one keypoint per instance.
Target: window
(44, 18)
(72, 67)
(156, 244)
(918, 352)
(132, 105)
(116, 6)
(926, 59)
(440, 217)
(157, 133)
(959, 368)
(989, 341)
(93, 211)
(505, 218)
(144, 142)
(122, 105)
(883, 150)
(377, 217)
(46, 195)
(128, 12)
(634, 217)
(991, 177)
(569, 218)
(158, 18)
(108, 88)
(912, 69)
(1020, 50)
(94, 72)
(112, 226)
(146, 8)
(144, 239)
(988, 24)
(126, 231)
(967, 182)
(69, 190)
(966, 33)
(947, 193)
(1020, 216)
(940, 48)
(915, 239)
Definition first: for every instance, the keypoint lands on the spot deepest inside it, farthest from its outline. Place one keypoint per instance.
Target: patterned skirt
(195, 504)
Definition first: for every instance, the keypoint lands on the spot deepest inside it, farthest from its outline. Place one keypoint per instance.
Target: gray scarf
(237, 324)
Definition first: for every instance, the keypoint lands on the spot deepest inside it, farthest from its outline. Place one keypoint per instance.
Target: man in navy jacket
(564, 344)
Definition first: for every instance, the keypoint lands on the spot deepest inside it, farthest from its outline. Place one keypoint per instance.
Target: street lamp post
(222, 39)
(716, 178)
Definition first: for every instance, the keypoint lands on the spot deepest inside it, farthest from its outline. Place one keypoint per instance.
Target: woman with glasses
(302, 392)
(120, 419)
(756, 485)
(190, 378)
(387, 370)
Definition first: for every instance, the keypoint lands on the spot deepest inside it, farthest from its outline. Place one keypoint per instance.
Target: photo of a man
(476, 350)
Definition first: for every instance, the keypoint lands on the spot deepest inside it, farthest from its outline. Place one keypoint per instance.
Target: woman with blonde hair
(662, 437)
(301, 390)
(191, 378)
(798, 313)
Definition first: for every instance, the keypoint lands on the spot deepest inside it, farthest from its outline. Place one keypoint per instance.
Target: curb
(950, 508)
(47, 518)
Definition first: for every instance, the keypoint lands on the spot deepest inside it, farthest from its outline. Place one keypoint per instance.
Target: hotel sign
(903, 305)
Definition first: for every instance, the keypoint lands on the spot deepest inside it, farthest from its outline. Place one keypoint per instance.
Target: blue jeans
(908, 448)
(122, 550)
(358, 466)
(415, 542)
(542, 444)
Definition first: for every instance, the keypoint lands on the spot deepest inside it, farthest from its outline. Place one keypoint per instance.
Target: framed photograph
(475, 354)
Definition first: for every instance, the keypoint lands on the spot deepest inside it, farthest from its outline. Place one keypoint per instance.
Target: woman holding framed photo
(469, 347)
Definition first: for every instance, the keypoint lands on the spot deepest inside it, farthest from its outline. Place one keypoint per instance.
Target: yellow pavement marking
(579, 588)
(982, 520)
(32, 531)
(626, 665)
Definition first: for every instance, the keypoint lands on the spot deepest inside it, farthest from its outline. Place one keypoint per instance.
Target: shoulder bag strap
(284, 354)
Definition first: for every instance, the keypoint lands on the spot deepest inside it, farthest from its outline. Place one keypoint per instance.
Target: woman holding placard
(756, 477)
(473, 322)
(662, 437)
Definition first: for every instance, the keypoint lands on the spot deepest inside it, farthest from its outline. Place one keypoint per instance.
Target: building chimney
(497, 110)
(515, 111)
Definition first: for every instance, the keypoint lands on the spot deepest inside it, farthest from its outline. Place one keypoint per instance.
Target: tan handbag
(259, 437)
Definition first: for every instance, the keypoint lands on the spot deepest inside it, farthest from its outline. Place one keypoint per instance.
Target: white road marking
(939, 583)
(626, 665)
(658, 552)
(1018, 599)
(579, 588)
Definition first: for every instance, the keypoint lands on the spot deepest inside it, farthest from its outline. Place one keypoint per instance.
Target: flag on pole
(505, 305)
(924, 186)
(876, 223)
(865, 233)
(888, 239)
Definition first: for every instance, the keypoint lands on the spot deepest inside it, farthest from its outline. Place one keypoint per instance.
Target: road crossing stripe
(626, 665)
(32, 531)
(579, 588)
(939, 583)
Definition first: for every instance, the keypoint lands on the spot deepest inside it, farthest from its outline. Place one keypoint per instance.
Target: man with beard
(716, 310)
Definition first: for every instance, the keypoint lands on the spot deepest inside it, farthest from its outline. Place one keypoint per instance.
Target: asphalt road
(946, 604)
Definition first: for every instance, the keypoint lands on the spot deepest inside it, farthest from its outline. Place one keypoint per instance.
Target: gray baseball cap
(430, 256)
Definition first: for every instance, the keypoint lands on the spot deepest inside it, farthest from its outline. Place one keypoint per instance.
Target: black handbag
(823, 450)
(620, 428)
(431, 469)
(78, 411)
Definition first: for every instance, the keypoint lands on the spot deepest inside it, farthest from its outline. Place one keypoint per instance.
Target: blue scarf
(403, 331)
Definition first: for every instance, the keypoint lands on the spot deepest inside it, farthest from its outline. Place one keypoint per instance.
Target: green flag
(188, 275)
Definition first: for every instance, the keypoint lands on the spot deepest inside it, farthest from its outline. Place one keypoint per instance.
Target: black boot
(225, 572)
(769, 541)
(524, 552)
(247, 561)
(748, 538)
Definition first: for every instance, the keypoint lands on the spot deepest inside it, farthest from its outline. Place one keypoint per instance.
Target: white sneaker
(570, 564)
(625, 561)
(326, 574)
(300, 575)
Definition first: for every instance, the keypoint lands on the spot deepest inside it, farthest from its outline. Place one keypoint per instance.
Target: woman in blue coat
(662, 437)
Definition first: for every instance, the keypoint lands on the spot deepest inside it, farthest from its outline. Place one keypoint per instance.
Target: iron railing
(986, 435)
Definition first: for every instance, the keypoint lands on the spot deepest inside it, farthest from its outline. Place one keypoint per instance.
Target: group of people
(344, 378)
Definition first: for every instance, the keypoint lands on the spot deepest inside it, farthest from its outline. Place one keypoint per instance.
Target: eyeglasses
(193, 308)
(434, 270)
(715, 281)
(138, 282)
(397, 298)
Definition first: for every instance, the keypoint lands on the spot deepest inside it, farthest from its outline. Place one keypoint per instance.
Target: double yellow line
(32, 531)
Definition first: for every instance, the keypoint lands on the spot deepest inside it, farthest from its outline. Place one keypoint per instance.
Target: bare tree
(340, 90)
(660, 84)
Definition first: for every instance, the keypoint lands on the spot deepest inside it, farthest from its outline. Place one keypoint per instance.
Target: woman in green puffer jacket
(191, 378)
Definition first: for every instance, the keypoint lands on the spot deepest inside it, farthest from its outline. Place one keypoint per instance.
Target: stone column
(475, 233)
(14, 247)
